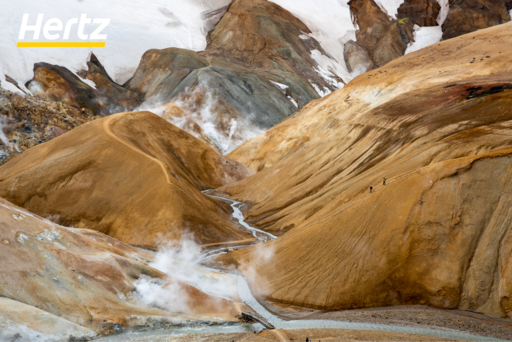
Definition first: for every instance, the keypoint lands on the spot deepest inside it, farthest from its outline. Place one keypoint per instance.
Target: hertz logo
(54, 29)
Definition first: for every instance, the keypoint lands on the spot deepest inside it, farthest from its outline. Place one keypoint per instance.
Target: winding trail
(362, 198)
(107, 127)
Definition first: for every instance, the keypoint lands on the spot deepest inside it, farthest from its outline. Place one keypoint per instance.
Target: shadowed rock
(469, 16)
(128, 100)
(419, 12)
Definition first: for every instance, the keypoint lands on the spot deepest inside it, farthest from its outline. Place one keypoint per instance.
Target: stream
(246, 296)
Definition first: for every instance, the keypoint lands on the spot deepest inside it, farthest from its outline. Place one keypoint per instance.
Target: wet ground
(413, 316)
(315, 335)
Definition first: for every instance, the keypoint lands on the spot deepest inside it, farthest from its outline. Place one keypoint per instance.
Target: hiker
(371, 189)
(384, 182)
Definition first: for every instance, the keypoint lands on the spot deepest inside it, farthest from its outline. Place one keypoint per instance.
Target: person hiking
(371, 189)
(384, 181)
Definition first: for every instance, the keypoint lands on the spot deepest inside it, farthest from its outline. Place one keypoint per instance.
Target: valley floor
(415, 316)
(289, 335)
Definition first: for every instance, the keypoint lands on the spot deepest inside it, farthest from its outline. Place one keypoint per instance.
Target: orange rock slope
(133, 176)
(437, 124)
(82, 276)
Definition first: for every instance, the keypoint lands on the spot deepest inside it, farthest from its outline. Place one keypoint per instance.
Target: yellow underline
(60, 44)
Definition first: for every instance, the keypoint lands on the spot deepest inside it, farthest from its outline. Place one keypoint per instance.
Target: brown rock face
(469, 16)
(377, 34)
(419, 12)
(262, 35)
(133, 176)
(56, 83)
(437, 124)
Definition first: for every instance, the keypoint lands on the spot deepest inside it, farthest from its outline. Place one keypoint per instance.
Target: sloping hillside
(133, 176)
(436, 124)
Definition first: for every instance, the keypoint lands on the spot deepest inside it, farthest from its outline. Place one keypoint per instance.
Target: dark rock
(471, 15)
(56, 83)
(127, 99)
(419, 12)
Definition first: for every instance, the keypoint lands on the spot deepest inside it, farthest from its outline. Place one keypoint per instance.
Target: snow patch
(326, 69)
(293, 102)
(390, 7)
(135, 27)
(443, 13)
(424, 36)
(331, 25)
(321, 92)
(281, 87)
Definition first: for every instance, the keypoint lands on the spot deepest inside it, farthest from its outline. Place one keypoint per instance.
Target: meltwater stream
(246, 296)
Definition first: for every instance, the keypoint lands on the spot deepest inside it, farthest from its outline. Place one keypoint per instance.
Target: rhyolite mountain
(133, 176)
(438, 233)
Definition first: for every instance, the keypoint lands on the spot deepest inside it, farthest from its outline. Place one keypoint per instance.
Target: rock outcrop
(133, 176)
(419, 12)
(469, 16)
(357, 59)
(235, 86)
(382, 38)
(438, 233)
(27, 122)
(126, 100)
(102, 97)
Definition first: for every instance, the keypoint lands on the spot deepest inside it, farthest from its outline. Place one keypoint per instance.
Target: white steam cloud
(260, 258)
(221, 130)
(179, 260)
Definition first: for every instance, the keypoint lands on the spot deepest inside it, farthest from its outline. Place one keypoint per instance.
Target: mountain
(256, 70)
(133, 176)
(436, 124)
(249, 64)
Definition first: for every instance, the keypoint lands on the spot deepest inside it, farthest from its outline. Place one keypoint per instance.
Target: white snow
(135, 27)
(445, 9)
(424, 36)
(330, 23)
(280, 86)
(326, 68)
(293, 101)
(321, 92)
(389, 6)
